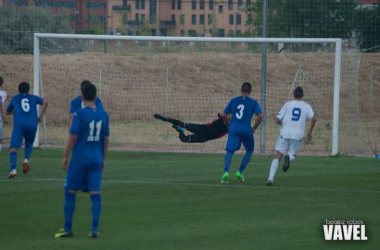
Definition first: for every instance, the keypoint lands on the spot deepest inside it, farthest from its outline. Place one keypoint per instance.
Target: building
(179, 17)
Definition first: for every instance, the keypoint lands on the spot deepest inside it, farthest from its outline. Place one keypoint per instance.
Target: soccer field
(175, 201)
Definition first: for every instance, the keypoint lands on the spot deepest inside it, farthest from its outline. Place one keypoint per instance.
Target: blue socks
(13, 159)
(228, 160)
(28, 152)
(95, 209)
(69, 208)
(245, 161)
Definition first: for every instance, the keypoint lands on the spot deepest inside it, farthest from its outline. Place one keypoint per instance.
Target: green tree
(18, 27)
(304, 18)
(368, 28)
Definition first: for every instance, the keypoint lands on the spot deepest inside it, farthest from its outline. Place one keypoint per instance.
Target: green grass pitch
(174, 201)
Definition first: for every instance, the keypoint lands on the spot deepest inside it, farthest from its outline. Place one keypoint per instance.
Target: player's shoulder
(76, 99)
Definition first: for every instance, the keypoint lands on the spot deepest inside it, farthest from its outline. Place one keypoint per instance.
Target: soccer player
(88, 142)
(78, 103)
(242, 109)
(201, 132)
(3, 97)
(25, 122)
(292, 117)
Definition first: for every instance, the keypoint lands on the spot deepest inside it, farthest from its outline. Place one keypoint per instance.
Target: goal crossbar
(336, 41)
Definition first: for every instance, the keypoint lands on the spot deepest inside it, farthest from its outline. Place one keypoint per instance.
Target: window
(240, 4)
(193, 4)
(173, 17)
(59, 4)
(193, 19)
(201, 19)
(211, 32)
(137, 4)
(210, 19)
(124, 2)
(238, 32)
(220, 8)
(201, 4)
(95, 5)
(221, 33)
(173, 4)
(238, 19)
(211, 5)
(179, 5)
(182, 33)
(249, 2)
(231, 19)
(137, 17)
(142, 18)
(249, 19)
(142, 4)
(230, 5)
(192, 33)
(182, 19)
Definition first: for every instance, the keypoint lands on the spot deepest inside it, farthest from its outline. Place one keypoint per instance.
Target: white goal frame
(337, 68)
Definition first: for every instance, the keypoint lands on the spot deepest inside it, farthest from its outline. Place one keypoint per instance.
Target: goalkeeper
(201, 132)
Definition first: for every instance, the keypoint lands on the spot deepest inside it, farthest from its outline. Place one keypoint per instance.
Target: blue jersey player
(242, 109)
(77, 103)
(25, 122)
(88, 142)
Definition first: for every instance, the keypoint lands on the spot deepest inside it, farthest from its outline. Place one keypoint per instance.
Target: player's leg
(200, 137)
(249, 145)
(294, 147)
(30, 135)
(233, 144)
(281, 147)
(170, 120)
(16, 142)
(94, 183)
(194, 128)
(74, 182)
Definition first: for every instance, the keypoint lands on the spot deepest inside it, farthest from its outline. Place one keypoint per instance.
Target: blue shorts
(235, 139)
(84, 176)
(20, 132)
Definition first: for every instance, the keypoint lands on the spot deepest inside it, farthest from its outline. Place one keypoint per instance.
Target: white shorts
(1, 130)
(291, 145)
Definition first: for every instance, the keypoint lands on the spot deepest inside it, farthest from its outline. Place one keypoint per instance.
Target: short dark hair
(1, 81)
(23, 88)
(82, 84)
(246, 87)
(298, 92)
(89, 92)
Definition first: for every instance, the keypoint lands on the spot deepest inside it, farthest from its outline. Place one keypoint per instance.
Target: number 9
(296, 114)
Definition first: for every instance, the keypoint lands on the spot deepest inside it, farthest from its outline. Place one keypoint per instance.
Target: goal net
(192, 79)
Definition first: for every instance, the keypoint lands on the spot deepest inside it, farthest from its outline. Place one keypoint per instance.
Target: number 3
(241, 109)
(25, 105)
(296, 114)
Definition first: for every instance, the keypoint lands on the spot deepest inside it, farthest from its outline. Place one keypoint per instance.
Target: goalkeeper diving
(201, 132)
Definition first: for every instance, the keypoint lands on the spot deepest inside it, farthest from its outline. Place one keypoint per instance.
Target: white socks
(273, 169)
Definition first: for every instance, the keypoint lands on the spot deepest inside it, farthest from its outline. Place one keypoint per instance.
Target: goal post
(337, 64)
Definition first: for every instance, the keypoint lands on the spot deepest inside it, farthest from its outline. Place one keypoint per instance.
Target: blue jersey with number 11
(91, 125)
(242, 109)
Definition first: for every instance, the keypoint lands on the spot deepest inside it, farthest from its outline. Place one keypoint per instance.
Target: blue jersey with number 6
(91, 125)
(242, 109)
(25, 109)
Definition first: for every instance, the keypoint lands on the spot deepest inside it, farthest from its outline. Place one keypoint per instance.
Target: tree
(18, 27)
(304, 18)
(368, 28)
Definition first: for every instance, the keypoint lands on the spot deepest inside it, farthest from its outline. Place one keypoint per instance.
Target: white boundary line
(199, 185)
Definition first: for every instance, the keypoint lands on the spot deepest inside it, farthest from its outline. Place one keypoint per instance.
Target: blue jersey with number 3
(25, 109)
(242, 109)
(91, 125)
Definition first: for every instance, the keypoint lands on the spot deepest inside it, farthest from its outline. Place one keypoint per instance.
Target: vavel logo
(344, 230)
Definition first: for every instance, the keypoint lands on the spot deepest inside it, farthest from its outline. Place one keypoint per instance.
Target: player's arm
(278, 121)
(280, 115)
(69, 148)
(310, 132)
(106, 142)
(224, 118)
(257, 122)
(1, 108)
(43, 110)
(11, 107)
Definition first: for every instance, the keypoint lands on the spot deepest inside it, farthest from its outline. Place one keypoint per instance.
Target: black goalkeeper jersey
(216, 129)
